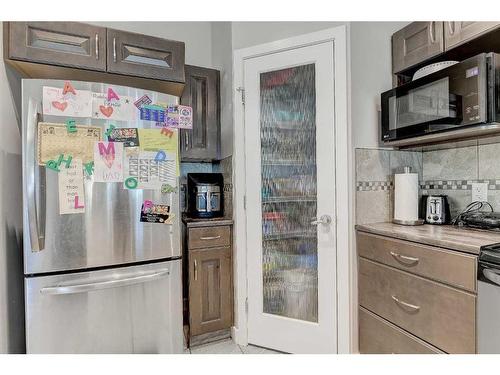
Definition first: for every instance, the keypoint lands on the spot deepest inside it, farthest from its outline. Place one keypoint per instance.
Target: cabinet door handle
(404, 258)
(114, 49)
(210, 238)
(96, 46)
(451, 27)
(405, 304)
(187, 140)
(431, 32)
(195, 270)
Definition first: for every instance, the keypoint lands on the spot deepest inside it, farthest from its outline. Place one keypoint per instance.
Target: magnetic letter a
(112, 95)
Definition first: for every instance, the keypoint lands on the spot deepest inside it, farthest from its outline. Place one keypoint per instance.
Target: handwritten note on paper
(163, 139)
(155, 140)
(145, 171)
(63, 102)
(71, 192)
(54, 140)
(108, 162)
(118, 109)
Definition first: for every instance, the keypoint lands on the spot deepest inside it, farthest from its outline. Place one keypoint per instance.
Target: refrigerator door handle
(37, 236)
(106, 284)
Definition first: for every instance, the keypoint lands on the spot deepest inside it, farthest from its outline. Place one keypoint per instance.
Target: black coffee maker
(205, 195)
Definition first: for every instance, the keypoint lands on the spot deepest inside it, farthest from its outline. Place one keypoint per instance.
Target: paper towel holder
(408, 222)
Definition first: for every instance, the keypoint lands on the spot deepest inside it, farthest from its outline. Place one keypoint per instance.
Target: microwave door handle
(105, 284)
(34, 175)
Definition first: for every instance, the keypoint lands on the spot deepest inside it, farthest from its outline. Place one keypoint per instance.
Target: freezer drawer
(135, 309)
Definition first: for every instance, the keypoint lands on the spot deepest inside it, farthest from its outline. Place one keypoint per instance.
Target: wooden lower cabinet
(378, 336)
(415, 298)
(210, 290)
(438, 314)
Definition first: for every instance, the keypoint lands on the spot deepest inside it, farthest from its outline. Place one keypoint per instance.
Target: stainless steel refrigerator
(99, 281)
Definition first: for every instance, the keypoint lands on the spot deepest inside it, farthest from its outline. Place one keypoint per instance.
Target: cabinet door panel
(458, 32)
(378, 336)
(415, 43)
(145, 56)
(71, 44)
(202, 143)
(210, 292)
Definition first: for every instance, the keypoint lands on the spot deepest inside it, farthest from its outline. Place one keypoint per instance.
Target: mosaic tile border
(374, 185)
(493, 184)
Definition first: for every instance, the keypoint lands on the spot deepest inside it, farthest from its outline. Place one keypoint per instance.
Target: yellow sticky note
(164, 139)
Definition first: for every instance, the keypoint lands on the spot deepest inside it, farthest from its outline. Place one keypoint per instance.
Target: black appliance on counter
(479, 215)
(435, 209)
(460, 100)
(205, 195)
(481, 220)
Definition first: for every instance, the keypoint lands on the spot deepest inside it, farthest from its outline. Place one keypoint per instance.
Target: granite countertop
(217, 221)
(446, 236)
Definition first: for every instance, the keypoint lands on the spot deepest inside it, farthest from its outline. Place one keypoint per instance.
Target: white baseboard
(238, 337)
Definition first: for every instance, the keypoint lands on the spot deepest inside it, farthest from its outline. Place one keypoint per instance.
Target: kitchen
(255, 228)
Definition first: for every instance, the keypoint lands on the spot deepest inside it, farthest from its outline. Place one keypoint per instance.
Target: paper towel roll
(406, 196)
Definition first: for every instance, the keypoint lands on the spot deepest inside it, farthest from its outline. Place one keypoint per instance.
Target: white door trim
(342, 172)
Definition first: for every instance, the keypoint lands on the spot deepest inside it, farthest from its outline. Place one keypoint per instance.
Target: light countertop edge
(445, 236)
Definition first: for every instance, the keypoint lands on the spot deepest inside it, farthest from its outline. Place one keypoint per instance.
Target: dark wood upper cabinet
(70, 44)
(458, 32)
(415, 43)
(210, 291)
(145, 56)
(202, 93)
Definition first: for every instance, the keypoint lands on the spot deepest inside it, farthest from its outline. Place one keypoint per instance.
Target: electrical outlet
(480, 192)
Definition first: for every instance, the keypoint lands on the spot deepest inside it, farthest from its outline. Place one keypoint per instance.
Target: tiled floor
(228, 347)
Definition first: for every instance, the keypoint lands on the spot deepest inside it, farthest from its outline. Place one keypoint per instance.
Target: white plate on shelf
(432, 68)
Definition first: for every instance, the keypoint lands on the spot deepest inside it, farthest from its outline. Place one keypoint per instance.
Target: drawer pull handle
(210, 238)
(96, 46)
(405, 259)
(405, 304)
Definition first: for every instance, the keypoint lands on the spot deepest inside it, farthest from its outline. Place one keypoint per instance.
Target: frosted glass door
(288, 175)
(290, 188)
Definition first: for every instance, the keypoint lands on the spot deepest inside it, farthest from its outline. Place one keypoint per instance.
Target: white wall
(196, 35)
(370, 76)
(246, 34)
(222, 59)
(11, 272)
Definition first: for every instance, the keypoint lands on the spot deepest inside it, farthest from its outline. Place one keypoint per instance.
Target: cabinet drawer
(70, 44)
(378, 336)
(145, 56)
(209, 237)
(442, 265)
(441, 315)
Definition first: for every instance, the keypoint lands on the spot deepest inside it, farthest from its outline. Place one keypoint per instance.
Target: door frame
(343, 174)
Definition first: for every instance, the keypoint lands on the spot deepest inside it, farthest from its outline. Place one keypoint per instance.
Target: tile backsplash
(375, 171)
(447, 171)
